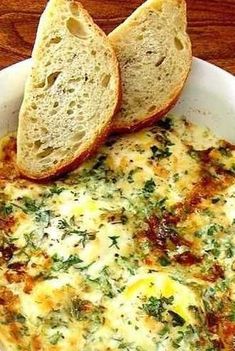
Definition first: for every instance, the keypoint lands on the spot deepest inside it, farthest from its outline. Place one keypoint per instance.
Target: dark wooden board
(211, 25)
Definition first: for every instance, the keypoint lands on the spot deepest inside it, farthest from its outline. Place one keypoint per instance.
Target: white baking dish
(208, 98)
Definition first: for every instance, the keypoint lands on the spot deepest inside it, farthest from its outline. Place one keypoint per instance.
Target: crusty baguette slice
(154, 52)
(71, 94)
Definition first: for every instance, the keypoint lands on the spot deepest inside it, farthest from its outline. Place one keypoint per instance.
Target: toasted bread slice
(154, 52)
(71, 94)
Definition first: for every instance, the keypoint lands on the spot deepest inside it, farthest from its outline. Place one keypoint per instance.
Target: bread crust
(153, 117)
(72, 164)
(122, 125)
(147, 122)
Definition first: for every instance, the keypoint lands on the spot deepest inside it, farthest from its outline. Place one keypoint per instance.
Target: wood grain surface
(211, 25)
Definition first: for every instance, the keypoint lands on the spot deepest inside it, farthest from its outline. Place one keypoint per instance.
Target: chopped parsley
(114, 240)
(30, 244)
(59, 264)
(177, 320)
(70, 228)
(55, 338)
(5, 209)
(30, 205)
(131, 173)
(149, 188)
(225, 152)
(176, 177)
(56, 190)
(193, 154)
(43, 217)
(63, 224)
(101, 162)
(20, 318)
(156, 307)
(232, 313)
(213, 229)
(164, 261)
(104, 281)
(165, 123)
(159, 154)
(79, 308)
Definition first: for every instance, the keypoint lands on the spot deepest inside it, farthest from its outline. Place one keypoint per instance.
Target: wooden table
(211, 27)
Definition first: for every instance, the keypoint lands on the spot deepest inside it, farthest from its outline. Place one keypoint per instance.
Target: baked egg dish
(134, 251)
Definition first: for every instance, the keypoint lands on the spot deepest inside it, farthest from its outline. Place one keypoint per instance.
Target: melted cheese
(133, 251)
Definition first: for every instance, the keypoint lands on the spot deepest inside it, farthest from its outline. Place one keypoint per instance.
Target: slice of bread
(154, 52)
(71, 95)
